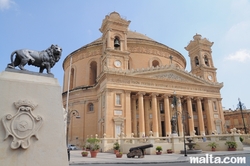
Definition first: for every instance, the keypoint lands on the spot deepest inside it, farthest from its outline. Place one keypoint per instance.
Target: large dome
(135, 37)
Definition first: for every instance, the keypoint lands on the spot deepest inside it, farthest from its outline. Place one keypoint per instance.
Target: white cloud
(238, 31)
(241, 56)
(5, 4)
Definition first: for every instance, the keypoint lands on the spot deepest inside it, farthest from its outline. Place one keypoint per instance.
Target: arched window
(72, 74)
(206, 60)
(155, 63)
(93, 73)
(90, 107)
(117, 43)
(196, 60)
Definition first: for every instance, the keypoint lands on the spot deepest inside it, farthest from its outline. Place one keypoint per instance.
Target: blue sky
(74, 23)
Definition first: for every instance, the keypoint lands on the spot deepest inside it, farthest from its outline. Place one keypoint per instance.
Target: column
(210, 115)
(159, 116)
(127, 114)
(134, 126)
(167, 115)
(191, 120)
(141, 114)
(222, 116)
(179, 110)
(108, 39)
(109, 126)
(155, 115)
(99, 114)
(200, 116)
(146, 115)
(125, 41)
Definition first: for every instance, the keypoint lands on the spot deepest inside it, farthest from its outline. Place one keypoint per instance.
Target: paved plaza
(109, 158)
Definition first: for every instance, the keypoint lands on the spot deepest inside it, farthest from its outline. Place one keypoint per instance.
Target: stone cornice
(167, 76)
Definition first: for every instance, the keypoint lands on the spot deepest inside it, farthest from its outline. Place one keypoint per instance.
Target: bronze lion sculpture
(45, 59)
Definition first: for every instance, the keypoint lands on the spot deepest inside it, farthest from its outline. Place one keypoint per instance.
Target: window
(196, 60)
(118, 99)
(92, 73)
(155, 63)
(206, 60)
(91, 107)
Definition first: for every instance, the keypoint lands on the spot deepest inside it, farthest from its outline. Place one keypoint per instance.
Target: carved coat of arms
(22, 125)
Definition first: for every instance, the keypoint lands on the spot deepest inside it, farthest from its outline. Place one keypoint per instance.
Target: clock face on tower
(117, 63)
(210, 77)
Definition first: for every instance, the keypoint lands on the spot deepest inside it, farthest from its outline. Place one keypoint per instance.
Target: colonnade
(146, 116)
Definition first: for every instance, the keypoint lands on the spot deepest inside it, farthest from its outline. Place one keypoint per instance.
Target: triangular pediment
(168, 73)
(171, 73)
(171, 76)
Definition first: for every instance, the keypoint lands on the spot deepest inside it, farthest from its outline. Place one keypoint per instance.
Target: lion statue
(45, 59)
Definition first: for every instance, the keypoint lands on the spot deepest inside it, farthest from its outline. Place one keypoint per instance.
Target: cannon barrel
(143, 147)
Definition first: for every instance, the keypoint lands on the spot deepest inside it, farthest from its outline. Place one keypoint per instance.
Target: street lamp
(69, 115)
(174, 120)
(240, 105)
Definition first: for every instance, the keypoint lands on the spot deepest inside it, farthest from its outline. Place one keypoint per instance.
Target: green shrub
(158, 148)
(231, 144)
(241, 139)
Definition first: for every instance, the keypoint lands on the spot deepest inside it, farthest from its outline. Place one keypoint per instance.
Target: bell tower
(200, 54)
(114, 37)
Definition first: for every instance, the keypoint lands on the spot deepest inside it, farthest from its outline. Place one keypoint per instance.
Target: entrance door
(163, 129)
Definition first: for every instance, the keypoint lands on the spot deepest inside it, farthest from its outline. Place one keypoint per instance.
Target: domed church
(127, 83)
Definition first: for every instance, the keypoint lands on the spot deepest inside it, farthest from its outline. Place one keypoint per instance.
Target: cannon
(138, 151)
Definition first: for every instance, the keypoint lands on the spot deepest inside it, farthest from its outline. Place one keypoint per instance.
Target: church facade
(127, 83)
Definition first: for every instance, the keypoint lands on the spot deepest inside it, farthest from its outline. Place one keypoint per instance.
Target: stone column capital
(188, 97)
(198, 98)
(166, 95)
(141, 93)
(154, 94)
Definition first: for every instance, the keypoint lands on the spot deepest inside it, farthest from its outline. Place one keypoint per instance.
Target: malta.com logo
(209, 159)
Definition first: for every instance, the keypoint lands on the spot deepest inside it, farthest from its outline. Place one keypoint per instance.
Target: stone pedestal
(32, 127)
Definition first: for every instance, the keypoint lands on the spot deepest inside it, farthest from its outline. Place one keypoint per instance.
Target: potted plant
(88, 147)
(213, 145)
(232, 145)
(241, 139)
(169, 151)
(118, 155)
(85, 154)
(116, 147)
(159, 149)
(94, 146)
